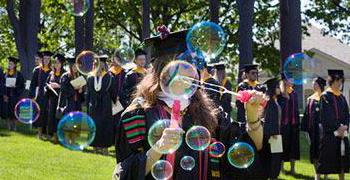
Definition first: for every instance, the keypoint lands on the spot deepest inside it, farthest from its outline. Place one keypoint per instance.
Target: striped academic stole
(135, 128)
(214, 164)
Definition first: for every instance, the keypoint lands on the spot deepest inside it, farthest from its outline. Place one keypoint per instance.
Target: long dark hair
(201, 109)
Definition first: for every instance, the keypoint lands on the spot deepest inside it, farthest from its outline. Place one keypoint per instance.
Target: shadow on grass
(23, 129)
(299, 176)
(91, 151)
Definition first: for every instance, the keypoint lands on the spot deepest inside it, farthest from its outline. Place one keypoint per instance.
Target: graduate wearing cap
(14, 88)
(135, 157)
(225, 99)
(52, 89)
(311, 121)
(71, 98)
(133, 77)
(272, 125)
(118, 74)
(207, 80)
(37, 91)
(334, 115)
(99, 97)
(290, 123)
(250, 83)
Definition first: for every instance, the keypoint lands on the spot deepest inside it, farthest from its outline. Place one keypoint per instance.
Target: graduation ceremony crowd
(137, 90)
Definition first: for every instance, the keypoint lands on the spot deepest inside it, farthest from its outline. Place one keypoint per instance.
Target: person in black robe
(135, 156)
(13, 92)
(272, 123)
(311, 123)
(52, 90)
(99, 97)
(225, 98)
(71, 98)
(334, 115)
(250, 83)
(2, 92)
(118, 75)
(133, 77)
(288, 101)
(37, 92)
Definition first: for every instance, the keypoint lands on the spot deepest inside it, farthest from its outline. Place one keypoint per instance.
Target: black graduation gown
(99, 107)
(225, 99)
(132, 78)
(71, 99)
(2, 91)
(241, 118)
(290, 127)
(214, 96)
(119, 80)
(37, 91)
(14, 94)
(312, 125)
(334, 111)
(131, 143)
(52, 102)
(272, 126)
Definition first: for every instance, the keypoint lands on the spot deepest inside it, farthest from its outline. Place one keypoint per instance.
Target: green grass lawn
(23, 156)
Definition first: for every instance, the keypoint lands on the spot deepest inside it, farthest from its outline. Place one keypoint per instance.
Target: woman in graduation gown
(334, 115)
(71, 98)
(37, 92)
(288, 100)
(272, 123)
(52, 92)
(225, 98)
(99, 106)
(12, 92)
(311, 123)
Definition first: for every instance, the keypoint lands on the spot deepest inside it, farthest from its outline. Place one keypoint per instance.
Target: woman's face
(74, 68)
(58, 65)
(46, 60)
(316, 86)
(278, 91)
(11, 65)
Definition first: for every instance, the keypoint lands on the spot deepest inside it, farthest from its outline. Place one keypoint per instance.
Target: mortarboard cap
(103, 58)
(47, 53)
(249, 67)
(336, 74)
(60, 58)
(13, 59)
(71, 60)
(320, 81)
(169, 47)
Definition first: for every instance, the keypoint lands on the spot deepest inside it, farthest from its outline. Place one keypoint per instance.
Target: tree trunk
(291, 34)
(245, 33)
(25, 28)
(214, 10)
(79, 34)
(146, 24)
(89, 27)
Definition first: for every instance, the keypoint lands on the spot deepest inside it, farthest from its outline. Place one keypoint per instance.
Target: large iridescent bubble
(77, 7)
(162, 170)
(241, 155)
(179, 80)
(76, 131)
(206, 39)
(198, 138)
(27, 111)
(87, 62)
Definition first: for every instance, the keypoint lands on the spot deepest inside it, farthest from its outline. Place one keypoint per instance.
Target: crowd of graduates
(137, 90)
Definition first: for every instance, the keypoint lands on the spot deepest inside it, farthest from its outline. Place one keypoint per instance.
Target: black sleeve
(327, 114)
(271, 126)
(34, 83)
(20, 85)
(240, 106)
(305, 119)
(131, 157)
(128, 88)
